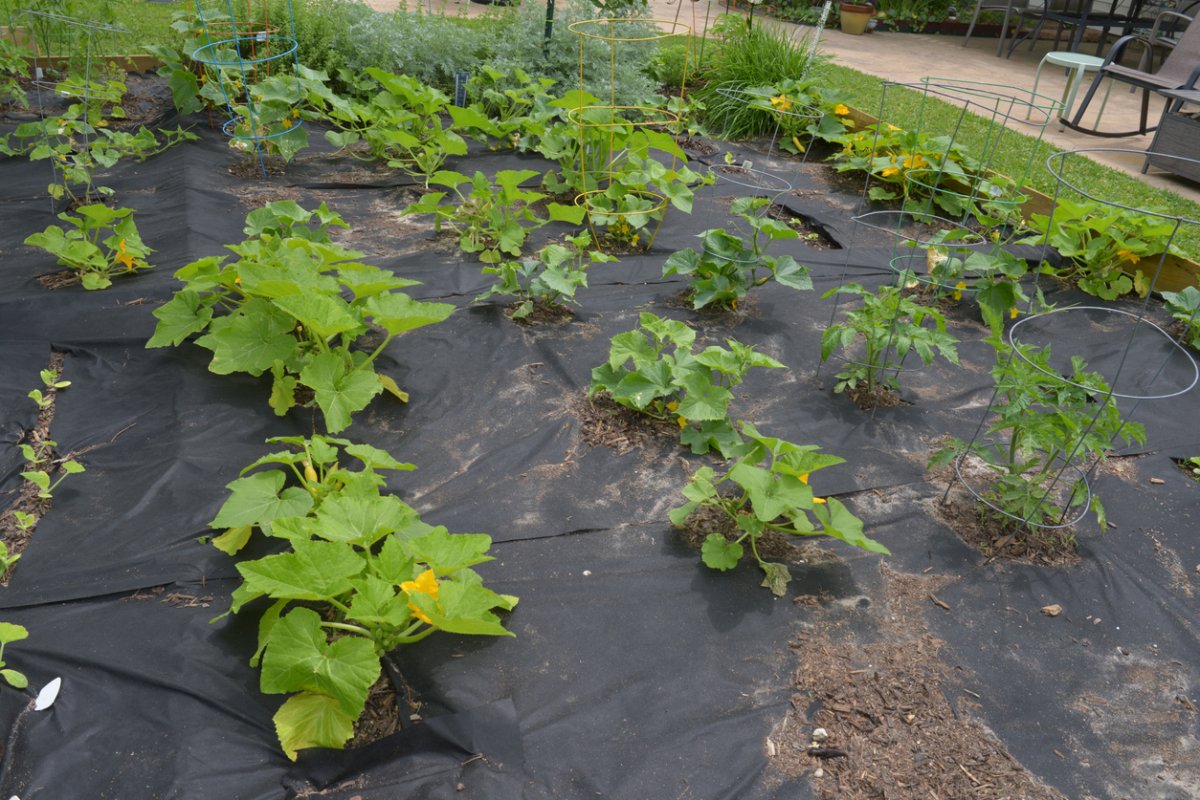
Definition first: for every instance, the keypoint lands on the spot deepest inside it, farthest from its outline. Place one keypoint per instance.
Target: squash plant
(547, 278)
(84, 247)
(729, 266)
(1184, 306)
(693, 389)
(360, 576)
(297, 305)
(766, 489)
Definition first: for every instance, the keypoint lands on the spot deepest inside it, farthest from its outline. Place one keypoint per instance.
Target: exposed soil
(608, 424)
(59, 280)
(811, 234)
(879, 397)
(381, 717)
(888, 729)
(27, 501)
(250, 167)
(698, 146)
(997, 536)
(542, 314)
(173, 599)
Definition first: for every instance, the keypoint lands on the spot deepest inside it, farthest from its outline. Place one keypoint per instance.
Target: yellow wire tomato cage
(612, 116)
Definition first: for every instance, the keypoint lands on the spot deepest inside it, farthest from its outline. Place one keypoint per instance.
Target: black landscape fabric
(635, 671)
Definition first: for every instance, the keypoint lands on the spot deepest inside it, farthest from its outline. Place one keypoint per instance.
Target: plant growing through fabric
(399, 121)
(80, 141)
(767, 489)
(1184, 306)
(9, 633)
(98, 244)
(361, 575)
(655, 372)
(878, 336)
(1102, 245)
(547, 279)
(729, 266)
(38, 455)
(1041, 427)
(493, 217)
(299, 307)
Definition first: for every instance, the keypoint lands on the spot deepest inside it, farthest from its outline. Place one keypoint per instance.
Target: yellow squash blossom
(782, 102)
(958, 290)
(804, 480)
(1128, 255)
(426, 583)
(123, 257)
(914, 161)
(841, 110)
(890, 171)
(1012, 313)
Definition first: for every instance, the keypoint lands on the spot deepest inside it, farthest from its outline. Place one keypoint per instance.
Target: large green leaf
(324, 315)
(704, 399)
(299, 658)
(339, 390)
(250, 340)
(312, 571)
(312, 720)
(448, 552)
(180, 317)
(397, 312)
(463, 608)
(361, 520)
(257, 499)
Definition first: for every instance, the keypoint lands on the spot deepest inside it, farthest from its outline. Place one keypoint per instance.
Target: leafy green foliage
(39, 454)
(12, 66)
(1039, 423)
(1100, 244)
(80, 140)
(1184, 306)
(492, 219)
(297, 304)
(84, 247)
(888, 326)
(1192, 467)
(9, 633)
(381, 577)
(766, 489)
(728, 267)
(655, 372)
(546, 279)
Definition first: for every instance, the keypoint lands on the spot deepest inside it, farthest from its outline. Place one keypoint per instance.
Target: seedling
(85, 248)
(548, 278)
(9, 633)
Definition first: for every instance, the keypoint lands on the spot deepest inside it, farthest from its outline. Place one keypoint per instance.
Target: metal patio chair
(1012, 10)
(1179, 70)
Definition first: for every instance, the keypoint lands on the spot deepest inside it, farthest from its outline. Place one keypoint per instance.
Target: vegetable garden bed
(634, 671)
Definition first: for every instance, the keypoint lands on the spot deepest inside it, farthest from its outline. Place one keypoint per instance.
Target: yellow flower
(958, 290)
(782, 102)
(890, 171)
(893, 128)
(426, 583)
(681, 421)
(1129, 255)
(914, 161)
(671, 406)
(796, 144)
(817, 500)
(841, 110)
(124, 257)
(1012, 313)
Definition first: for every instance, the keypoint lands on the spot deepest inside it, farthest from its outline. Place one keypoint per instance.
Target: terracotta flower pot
(854, 18)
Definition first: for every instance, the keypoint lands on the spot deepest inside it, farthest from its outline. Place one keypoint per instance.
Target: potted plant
(854, 17)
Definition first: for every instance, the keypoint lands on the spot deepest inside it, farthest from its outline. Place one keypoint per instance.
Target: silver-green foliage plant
(546, 279)
(654, 371)
(889, 326)
(728, 266)
(1043, 427)
(766, 489)
(360, 576)
(299, 307)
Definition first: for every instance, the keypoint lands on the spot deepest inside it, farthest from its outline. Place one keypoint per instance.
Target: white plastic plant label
(47, 695)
